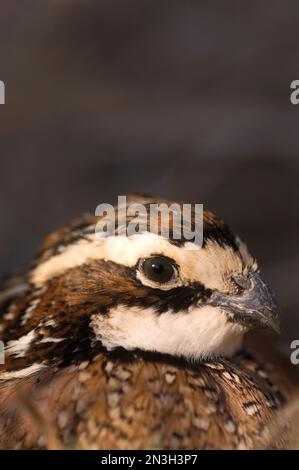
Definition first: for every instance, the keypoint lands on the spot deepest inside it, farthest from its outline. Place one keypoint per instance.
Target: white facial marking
(201, 333)
(209, 265)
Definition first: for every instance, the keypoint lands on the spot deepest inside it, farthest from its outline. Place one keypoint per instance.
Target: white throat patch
(201, 333)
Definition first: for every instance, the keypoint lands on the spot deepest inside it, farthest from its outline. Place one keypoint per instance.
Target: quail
(138, 342)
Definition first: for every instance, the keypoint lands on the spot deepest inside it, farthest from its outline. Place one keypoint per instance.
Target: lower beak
(254, 308)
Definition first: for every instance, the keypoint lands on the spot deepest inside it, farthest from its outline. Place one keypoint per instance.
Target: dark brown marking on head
(213, 229)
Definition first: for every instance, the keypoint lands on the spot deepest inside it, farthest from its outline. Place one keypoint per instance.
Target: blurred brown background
(187, 100)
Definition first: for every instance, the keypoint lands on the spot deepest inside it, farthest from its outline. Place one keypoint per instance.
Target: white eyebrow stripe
(207, 265)
(120, 249)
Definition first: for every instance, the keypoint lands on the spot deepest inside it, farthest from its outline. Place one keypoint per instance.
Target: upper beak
(254, 308)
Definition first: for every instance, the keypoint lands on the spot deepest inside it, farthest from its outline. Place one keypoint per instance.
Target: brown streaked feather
(213, 228)
(92, 399)
(142, 403)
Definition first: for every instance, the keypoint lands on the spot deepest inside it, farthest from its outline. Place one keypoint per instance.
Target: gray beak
(255, 307)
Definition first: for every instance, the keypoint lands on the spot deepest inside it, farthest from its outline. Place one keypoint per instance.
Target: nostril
(242, 281)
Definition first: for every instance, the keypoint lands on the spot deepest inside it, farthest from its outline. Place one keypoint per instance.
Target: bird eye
(158, 269)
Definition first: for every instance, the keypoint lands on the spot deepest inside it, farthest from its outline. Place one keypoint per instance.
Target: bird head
(143, 292)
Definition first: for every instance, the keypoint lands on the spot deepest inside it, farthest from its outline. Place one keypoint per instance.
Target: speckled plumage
(141, 402)
(78, 394)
